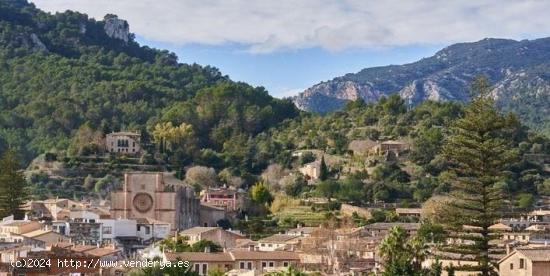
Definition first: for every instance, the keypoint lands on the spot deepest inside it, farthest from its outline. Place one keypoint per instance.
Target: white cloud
(288, 92)
(273, 25)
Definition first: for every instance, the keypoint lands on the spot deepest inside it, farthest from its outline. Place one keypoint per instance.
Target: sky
(290, 45)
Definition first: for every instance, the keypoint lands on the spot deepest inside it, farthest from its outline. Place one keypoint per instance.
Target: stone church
(156, 195)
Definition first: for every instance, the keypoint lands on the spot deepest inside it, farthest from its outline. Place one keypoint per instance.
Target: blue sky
(288, 45)
(291, 71)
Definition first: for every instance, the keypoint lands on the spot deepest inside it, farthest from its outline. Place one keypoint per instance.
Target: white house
(114, 228)
(149, 228)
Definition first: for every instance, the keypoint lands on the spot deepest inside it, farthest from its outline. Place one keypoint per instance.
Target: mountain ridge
(508, 64)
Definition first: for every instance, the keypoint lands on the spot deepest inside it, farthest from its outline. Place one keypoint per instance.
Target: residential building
(123, 142)
(152, 230)
(390, 146)
(49, 237)
(225, 238)
(85, 232)
(408, 212)
(311, 170)
(526, 262)
(17, 227)
(301, 231)
(115, 228)
(224, 197)
(244, 261)
(278, 242)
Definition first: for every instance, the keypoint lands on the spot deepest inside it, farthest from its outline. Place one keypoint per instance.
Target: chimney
(507, 248)
(207, 249)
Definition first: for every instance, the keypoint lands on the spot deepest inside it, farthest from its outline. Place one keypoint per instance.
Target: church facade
(158, 196)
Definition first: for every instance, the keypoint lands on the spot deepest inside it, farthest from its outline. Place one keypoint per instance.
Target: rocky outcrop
(328, 96)
(117, 28)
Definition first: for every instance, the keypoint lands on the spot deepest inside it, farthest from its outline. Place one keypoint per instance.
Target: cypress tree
(323, 169)
(479, 149)
(13, 186)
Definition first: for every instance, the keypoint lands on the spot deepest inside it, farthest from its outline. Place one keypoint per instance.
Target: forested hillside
(66, 80)
(63, 71)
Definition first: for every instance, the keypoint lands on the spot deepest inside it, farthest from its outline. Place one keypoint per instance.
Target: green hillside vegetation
(415, 175)
(90, 79)
(60, 97)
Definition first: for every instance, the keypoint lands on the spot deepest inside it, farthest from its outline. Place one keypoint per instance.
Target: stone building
(526, 261)
(158, 196)
(311, 170)
(227, 198)
(123, 142)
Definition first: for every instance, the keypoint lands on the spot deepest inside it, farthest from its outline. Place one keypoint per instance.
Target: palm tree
(419, 251)
(395, 253)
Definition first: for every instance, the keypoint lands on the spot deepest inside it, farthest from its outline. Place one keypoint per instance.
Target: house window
(197, 267)
(285, 264)
(107, 230)
(249, 265)
(521, 263)
(241, 265)
(271, 264)
(204, 269)
(511, 266)
(264, 264)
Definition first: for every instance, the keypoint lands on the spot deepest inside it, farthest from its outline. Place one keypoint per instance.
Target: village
(153, 211)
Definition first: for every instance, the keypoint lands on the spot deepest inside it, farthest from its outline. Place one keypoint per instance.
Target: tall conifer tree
(480, 149)
(13, 186)
(323, 169)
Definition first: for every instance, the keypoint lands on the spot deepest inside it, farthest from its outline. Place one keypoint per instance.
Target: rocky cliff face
(117, 28)
(517, 69)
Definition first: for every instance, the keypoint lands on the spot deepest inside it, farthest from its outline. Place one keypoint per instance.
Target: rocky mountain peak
(517, 69)
(117, 28)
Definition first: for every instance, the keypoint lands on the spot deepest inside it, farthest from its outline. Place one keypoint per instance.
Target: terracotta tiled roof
(197, 230)
(278, 238)
(63, 245)
(500, 226)
(200, 257)
(102, 251)
(37, 233)
(18, 223)
(536, 254)
(264, 255)
(83, 248)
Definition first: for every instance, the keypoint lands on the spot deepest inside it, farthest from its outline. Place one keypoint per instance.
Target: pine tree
(323, 169)
(13, 186)
(479, 150)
